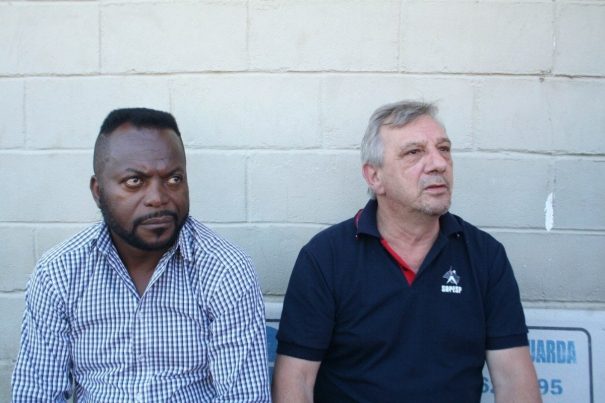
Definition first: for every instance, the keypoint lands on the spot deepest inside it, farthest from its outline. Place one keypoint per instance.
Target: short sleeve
(504, 313)
(308, 312)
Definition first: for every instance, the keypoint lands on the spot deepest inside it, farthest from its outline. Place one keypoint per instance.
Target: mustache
(434, 181)
(163, 213)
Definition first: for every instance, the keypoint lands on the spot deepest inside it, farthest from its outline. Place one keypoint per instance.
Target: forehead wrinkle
(162, 165)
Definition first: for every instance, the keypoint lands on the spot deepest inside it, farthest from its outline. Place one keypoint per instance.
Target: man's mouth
(436, 187)
(158, 220)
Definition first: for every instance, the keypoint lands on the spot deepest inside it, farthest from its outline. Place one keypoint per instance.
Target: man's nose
(155, 195)
(437, 162)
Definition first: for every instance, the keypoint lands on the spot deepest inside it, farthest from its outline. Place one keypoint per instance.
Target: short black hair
(137, 117)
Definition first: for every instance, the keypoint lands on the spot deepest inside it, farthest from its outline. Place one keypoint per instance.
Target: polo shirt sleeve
(504, 313)
(307, 318)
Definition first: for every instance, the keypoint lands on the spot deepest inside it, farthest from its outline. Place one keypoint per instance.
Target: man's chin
(148, 244)
(156, 244)
(435, 210)
(151, 246)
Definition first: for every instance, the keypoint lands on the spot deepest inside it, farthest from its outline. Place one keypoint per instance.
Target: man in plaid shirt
(149, 305)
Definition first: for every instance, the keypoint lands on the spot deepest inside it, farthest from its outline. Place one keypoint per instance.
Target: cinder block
(501, 191)
(508, 37)
(553, 266)
(57, 188)
(324, 35)
(579, 194)
(580, 44)
(175, 36)
(217, 186)
(306, 187)
(540, 115)
(49, 38)
(11, 315)
(12, 133)
(67, 113)
(48, 236)
(241, 111)
(273, 248)
(347, 101)
(6, 372)
(577, 115)
(16, 255)
(513, 114)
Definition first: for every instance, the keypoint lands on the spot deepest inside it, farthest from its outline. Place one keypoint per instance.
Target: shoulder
(222, 273)
(475, 236)
(75, 247)
(331, 251)
(485, 251)
(333, 237)
(62, 268)
(208, 247)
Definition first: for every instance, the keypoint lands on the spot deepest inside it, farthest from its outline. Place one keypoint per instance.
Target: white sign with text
(564, 346)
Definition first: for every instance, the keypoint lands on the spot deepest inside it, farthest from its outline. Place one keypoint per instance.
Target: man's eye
(413, 151)
(175, 180)
(133, 182)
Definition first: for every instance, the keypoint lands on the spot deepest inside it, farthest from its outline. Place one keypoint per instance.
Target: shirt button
(138, 398)
(141, 358)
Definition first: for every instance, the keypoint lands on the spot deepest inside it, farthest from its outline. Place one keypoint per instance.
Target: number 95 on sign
(547, 386)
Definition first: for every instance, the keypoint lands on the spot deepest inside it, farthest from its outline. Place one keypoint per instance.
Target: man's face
(142, 189)
(417, 173)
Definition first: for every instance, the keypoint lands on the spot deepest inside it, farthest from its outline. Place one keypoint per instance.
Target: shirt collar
(365, 220)
(103, 242)
(367, 224)
(183, 243)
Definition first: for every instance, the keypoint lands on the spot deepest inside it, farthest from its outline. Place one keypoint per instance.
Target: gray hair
(397, 114)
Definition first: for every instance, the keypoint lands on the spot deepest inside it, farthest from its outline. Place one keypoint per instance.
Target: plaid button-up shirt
(197, 334)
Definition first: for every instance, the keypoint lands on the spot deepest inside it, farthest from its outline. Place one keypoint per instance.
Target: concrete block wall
(273, 96)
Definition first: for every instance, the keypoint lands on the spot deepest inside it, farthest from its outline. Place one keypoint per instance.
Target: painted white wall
(273, 96)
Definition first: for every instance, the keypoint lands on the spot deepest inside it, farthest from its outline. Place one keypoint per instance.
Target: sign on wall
(563, 360)
(567, 348)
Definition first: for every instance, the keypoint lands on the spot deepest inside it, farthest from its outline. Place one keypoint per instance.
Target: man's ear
(373, 178)
(95, 190)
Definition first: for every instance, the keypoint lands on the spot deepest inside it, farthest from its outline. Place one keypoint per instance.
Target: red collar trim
(405, 268)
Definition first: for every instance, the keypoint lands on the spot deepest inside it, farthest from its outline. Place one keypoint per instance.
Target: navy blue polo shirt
(381, 339)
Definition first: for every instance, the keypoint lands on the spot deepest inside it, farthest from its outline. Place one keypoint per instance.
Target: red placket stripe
(403, 266)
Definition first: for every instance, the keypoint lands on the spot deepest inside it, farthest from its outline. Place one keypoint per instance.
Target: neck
(140, 264)
(402, 226)
(135, 259)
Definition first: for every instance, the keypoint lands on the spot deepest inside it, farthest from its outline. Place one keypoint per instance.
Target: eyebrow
(142, 173)
(135, 171)
(422, 143)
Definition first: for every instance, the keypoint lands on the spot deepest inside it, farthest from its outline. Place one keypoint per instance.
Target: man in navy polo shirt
(404, 302)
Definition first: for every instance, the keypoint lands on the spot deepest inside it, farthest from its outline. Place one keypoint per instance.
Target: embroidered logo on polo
(452, 281)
